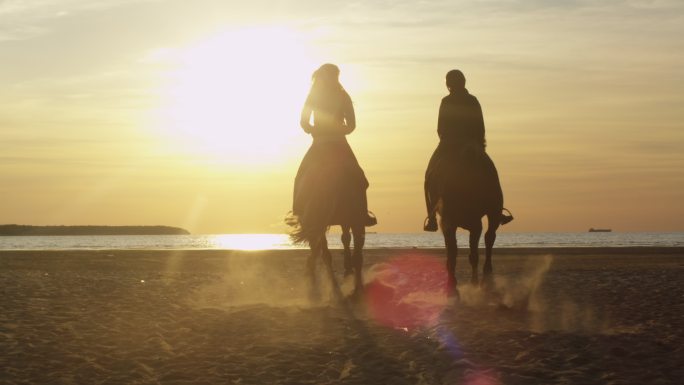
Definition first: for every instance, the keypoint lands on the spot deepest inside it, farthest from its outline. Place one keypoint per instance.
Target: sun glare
(236, 96)
(250, 241)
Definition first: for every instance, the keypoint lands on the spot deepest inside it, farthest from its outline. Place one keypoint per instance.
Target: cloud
(24, 19)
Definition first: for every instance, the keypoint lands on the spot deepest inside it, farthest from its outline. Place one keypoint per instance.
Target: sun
(235, 97)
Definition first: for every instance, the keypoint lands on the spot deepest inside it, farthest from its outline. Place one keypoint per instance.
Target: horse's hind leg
(327, 261)
(346, 242)
(357, 259)
(452, 250)
(490, 237)
(474, 257)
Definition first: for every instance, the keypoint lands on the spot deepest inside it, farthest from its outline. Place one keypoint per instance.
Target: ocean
(373, 240)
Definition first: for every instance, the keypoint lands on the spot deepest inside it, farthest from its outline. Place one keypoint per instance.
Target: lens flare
(481, 377)
(408, 292)
(447, 339)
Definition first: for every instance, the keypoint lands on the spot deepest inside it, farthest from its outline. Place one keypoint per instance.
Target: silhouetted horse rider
(330, 186)
(329, 173)
(460, 126)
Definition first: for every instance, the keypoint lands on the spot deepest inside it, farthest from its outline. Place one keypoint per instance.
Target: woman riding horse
(330, 186)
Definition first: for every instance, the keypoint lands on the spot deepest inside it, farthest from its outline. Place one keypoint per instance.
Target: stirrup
(506, 218)
(371, 220)
(430, 224)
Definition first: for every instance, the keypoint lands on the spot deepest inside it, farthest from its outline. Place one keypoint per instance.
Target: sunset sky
(185, 113)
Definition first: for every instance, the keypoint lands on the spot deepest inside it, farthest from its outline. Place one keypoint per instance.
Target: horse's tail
(296, 232)
(312, 223)
(303, 233)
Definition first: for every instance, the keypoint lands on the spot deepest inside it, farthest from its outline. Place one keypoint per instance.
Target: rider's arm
(479, 124)
(305, 119)
(349, 116)
(441, 120)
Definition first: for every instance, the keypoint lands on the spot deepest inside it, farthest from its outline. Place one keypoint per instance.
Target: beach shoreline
(560, 315)
(561, 250)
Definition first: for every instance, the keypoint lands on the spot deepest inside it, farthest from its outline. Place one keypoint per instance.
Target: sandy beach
(557, 316)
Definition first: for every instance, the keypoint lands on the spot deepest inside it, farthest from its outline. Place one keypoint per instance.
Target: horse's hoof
(487, 284)
(454, 295)
(356, 296)
(314, 295)
(451, 285)
(452, 289)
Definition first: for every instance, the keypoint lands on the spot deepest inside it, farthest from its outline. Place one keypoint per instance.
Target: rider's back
(460, 121)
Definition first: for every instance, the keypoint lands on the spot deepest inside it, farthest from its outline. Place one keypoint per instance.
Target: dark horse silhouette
(469, 189)
(312, 229)
(330, 186)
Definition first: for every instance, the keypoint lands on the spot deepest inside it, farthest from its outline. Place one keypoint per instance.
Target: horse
(469, 190)
(332, 205)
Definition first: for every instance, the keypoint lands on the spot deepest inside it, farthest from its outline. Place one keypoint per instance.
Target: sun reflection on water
(250, 241)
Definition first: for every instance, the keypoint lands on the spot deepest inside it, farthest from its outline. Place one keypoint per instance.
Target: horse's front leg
(314, 293)
(474, 257)
(346, 242)
(357, 259)
(490, 237)
(452, 251)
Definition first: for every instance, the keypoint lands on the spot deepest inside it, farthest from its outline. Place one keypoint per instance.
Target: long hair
(326, 89)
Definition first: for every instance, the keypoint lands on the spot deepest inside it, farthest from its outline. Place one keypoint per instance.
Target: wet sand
(556, 316)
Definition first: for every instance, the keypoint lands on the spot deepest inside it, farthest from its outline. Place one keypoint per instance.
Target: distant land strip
(9, 230)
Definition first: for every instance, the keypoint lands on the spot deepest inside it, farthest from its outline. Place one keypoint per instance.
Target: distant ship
(593, 230)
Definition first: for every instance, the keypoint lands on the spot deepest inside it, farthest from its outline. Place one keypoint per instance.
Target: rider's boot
(506, 218)
(430, 223)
